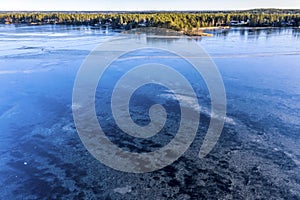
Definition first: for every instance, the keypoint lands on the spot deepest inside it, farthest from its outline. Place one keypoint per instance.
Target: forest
(180, 21)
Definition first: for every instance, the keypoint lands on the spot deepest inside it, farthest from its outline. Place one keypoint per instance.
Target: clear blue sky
(128, 5)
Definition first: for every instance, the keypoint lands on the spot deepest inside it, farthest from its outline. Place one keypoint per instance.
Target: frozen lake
(257, 155)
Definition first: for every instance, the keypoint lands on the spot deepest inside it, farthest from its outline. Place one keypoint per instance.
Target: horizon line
(212, 10)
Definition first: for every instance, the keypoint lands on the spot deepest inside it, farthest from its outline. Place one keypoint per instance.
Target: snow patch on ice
(123, 190)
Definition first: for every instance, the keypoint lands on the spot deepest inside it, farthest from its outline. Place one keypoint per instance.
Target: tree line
(175, 20)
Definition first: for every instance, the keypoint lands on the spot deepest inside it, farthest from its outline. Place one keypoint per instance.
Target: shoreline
(190, 23)
(195, 32)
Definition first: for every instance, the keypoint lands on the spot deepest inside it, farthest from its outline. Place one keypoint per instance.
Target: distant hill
(256, 10)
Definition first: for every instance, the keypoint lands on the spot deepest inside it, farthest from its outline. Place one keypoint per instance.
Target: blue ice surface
(38, 66)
